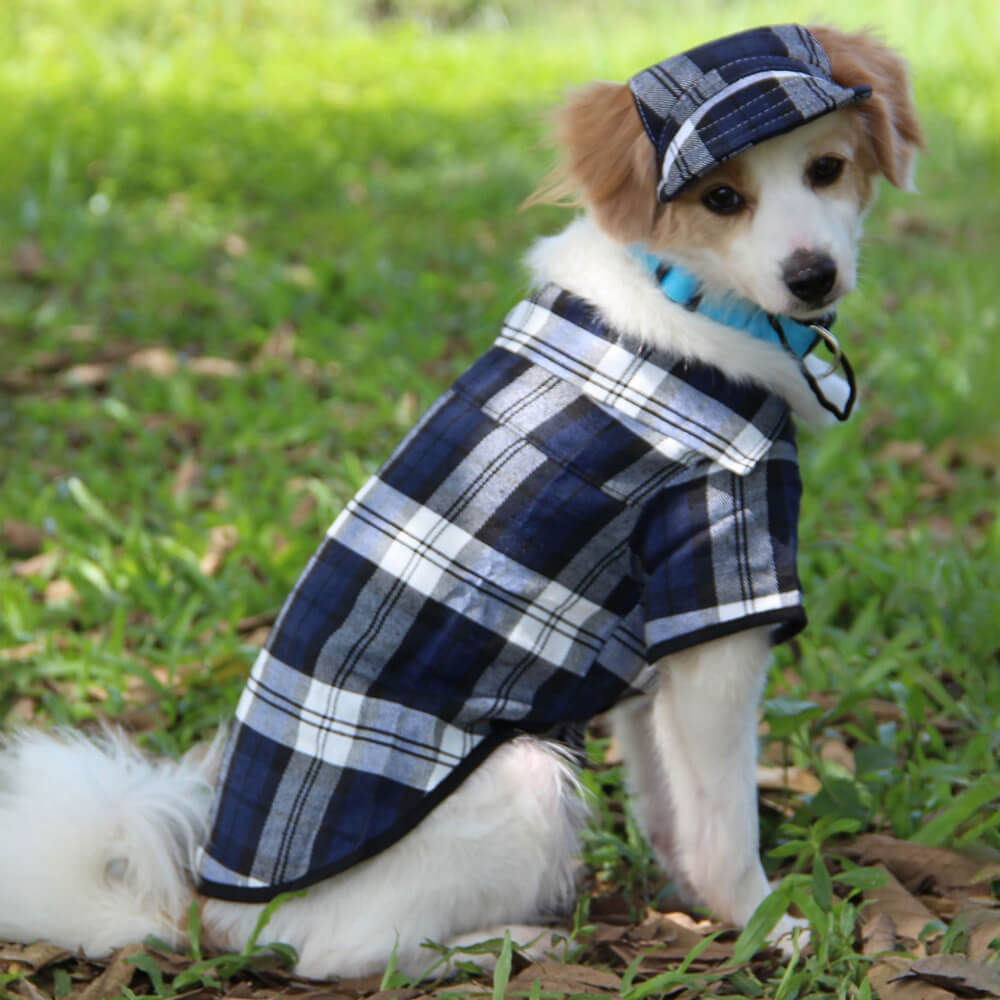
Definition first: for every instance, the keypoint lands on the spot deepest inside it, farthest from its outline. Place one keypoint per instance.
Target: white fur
(96, 841)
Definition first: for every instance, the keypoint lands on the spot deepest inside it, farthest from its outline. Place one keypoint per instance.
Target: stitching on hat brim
(689, 126)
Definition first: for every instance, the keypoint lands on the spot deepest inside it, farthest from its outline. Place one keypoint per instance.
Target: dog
(599, 516)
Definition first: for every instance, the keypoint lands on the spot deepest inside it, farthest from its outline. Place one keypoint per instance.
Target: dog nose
(809, 276)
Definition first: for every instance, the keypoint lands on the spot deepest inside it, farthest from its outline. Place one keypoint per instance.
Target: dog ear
(607, 162)
(889, 115)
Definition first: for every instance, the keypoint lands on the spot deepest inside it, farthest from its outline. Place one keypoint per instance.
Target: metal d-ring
(832, 345)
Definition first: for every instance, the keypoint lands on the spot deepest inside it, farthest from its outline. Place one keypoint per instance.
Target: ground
(243, 244)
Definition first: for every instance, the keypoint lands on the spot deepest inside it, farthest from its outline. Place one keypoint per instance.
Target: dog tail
(97, 840)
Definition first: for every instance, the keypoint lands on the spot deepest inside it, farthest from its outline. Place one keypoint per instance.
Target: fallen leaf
(41, 565)
(216, 367)
(878, 934)
(59, 591)
(17, 654)
(909, 916)
(18, 538)
(87, 376)
(959, 974)
(113, 979)
(235, 245)
(187, 475)
(26, 988)
(280, 345)
(158, 361)
(29, 260)
(33, 956)
(555, 977)
(885, 978)
(222, 540)
(837, 751)
(982, 922)
(919, 867)
(792, 779)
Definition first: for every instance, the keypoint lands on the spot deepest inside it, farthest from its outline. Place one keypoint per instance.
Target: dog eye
(723, 200)
(825, 171)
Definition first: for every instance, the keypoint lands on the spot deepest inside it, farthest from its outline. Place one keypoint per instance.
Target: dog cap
(709, 104)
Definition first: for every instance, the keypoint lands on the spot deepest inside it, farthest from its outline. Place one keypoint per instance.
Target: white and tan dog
(98, 844)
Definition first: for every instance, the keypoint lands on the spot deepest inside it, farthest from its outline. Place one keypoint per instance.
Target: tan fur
(889, 115)
(607, 162)
(684, 222)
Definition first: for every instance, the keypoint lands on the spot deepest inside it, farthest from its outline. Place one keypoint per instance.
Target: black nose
(809, 276)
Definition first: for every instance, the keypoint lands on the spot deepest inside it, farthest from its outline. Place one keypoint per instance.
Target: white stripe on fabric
(691, 124)
(328, 736)
(665, 629)
(635, 398)
(429, 546)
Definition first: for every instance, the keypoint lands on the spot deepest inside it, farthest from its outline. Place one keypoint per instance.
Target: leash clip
(832, 345)
(839, 361)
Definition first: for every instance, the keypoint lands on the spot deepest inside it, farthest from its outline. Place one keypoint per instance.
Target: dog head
(777, 224)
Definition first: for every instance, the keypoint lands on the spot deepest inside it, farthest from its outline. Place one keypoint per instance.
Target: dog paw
(790, 934)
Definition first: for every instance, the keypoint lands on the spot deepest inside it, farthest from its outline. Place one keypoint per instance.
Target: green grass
(197, 175)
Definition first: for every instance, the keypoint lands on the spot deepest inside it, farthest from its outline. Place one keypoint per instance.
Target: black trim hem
(790, 622)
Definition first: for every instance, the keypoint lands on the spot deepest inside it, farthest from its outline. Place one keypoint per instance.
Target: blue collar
(684, 288)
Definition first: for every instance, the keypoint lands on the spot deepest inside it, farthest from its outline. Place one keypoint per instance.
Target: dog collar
(797, 339)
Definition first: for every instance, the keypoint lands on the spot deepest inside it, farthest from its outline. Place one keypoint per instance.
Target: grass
(331, 209)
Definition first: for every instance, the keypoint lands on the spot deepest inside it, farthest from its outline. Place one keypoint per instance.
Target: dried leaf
(41, 565)
(792, 779)
(87, 376)
(17, 654)
(919, 867)
(216, 367)
(837, 751)
(904, 452)
(18, 538)
(878, 934)
(33, 956)
(983, 925)
(222, 540)
(28, 260)
(887, 982)
(280, 345)
(158, 361)
(555, 977)
(59, 591)
(909, 916)
(235, 245)
(187, 475)
(110, 982)
(959, 974)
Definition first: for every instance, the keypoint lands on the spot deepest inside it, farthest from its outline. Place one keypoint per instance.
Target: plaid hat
(707, 105)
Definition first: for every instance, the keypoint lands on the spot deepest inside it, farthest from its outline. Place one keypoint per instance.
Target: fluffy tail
(96, 840)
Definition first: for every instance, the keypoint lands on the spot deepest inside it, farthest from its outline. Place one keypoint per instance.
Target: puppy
(600, 515)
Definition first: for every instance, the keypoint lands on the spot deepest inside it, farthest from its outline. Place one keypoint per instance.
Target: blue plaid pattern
(708, 105)
(573, 508)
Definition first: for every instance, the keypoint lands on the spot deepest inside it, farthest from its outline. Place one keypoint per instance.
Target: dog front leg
(704, 715)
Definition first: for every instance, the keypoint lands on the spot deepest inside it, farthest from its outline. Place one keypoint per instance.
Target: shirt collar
(686, 402)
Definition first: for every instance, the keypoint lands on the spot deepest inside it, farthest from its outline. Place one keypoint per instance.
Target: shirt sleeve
(716, 554)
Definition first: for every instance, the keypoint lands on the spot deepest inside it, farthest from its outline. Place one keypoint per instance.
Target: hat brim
(743, 114)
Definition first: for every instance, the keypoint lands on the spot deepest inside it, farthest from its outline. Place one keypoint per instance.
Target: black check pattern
(707, 105)
(573, 508)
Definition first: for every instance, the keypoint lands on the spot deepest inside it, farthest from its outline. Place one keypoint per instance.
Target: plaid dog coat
(573, 508)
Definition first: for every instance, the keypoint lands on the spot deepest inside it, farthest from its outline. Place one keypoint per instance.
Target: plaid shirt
(573, 508)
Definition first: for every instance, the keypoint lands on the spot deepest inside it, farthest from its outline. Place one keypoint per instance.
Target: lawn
(244, 243)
